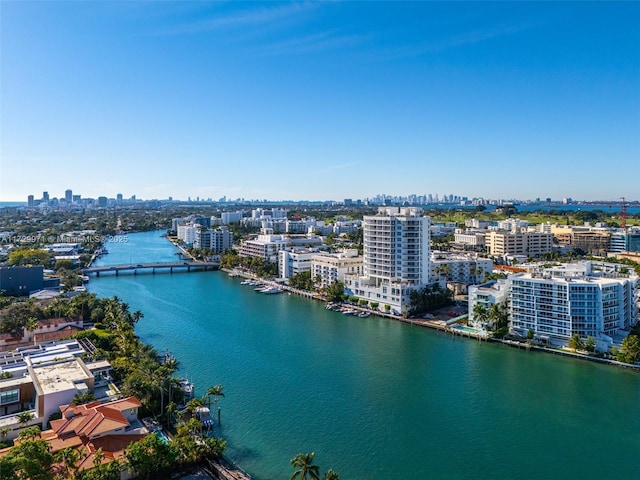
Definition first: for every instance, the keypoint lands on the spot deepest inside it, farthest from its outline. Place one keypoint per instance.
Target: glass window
(9, 396)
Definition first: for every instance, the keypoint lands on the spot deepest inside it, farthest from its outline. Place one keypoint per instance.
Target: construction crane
(623, 222)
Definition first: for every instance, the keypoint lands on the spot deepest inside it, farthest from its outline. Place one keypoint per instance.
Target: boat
(270, 290)
(187, 389)
(364, 314)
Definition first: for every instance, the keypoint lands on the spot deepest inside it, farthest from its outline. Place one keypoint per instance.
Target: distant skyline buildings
(379, 199)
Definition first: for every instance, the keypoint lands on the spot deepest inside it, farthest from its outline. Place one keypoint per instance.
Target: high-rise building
(119, 199)
(45, 197)
(395, 258)
(68, 196)
(30, 201)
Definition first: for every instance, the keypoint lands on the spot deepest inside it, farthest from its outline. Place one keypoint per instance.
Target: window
(9, 396)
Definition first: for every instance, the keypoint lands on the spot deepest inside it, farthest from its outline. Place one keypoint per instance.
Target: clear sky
(319, 101)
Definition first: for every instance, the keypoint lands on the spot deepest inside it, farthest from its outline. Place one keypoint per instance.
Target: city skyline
(320, 101)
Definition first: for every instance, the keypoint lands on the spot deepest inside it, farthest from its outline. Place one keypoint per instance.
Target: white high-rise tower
(396, 257)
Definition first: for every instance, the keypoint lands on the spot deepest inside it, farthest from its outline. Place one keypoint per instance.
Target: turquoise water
(374, 398)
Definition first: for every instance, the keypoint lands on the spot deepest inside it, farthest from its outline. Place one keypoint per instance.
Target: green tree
(303, 463)
(30, 256)
(68, 459)
(331, 475)
(630, 349)
(24, 418)
(149, 456)
(82, 398)
(590, 346)
(530, 334)
(575, 342)
(480, 314)
(335, 291)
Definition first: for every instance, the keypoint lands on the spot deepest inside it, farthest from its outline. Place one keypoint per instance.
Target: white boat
(364, 314)
(187, 389)
(270, 290)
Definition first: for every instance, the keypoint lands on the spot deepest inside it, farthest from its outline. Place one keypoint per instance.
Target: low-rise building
(487, 294)
(294, 261)
(332, 267)
(519, 242)
(266, 246)
(459, 267)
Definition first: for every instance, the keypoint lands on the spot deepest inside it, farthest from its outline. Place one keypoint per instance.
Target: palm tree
(30, 433)
(331, 475)
(171, 410)
(480, 314)
(215, 391)
(69, 457)
(24, 418)
(84, 397)
(304, 464)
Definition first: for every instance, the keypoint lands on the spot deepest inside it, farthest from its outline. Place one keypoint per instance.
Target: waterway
(375, 398)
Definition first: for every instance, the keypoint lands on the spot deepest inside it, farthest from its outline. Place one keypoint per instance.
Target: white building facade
(395, 258)
(557, 303)
(332, 267)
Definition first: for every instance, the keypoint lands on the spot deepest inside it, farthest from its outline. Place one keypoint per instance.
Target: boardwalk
(157, 267)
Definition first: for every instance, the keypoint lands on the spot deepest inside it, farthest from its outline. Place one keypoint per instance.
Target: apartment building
(266, 245)
(487, 294)
(332, 267)
(291, 262)
(519, 242)
(459, 268)
(395, 258)
(217, 240)
(559, 302)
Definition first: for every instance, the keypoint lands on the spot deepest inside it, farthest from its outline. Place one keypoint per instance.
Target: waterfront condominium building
(266, 245)
(217, 240)
(293, 261)
(575, 298)
(395, 258)
(332, 267)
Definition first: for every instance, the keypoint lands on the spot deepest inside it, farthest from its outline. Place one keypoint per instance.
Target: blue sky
(320, 100)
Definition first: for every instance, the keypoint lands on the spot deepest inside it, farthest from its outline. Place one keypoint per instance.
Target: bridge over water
(156, 267)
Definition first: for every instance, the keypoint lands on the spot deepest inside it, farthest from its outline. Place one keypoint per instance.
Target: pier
(153, 268)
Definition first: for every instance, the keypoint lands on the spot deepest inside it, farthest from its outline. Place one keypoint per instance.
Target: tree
(30, 256)
(68, 457)
(81, 398)
(331, 475)
(149, 455)
(215, 392)
(590, 346)
(480, 314)
(575, 342)
(630, 349)
(303, 462)
(24, 418)
(335, 291)
(530, 334)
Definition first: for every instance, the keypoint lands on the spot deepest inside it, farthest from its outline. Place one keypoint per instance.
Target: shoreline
(439, 325)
